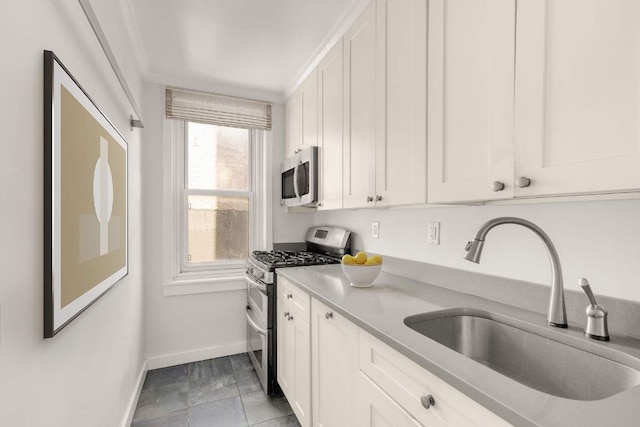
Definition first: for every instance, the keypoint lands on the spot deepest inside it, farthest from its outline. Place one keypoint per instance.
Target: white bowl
(361, 276)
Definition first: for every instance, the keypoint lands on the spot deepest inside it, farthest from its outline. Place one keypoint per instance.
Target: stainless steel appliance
(324, 245)
(299, 178)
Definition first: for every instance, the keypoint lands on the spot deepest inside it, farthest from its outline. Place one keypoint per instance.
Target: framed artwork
(85, 199)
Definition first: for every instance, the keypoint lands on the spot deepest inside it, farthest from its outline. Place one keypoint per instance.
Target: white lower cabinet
(335, 374)
(294, 349)
(334, 366)
(374, 407)
(425, 397)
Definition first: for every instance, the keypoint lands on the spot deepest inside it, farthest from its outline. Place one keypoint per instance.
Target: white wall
(596, 239)
(87, 374)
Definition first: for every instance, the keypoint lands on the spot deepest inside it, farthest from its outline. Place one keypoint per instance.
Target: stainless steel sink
(531, 359)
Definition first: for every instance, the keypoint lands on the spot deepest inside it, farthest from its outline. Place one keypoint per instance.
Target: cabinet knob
(427, 401)
(290, 318)
(328, 315)
(289, 296)
(523, 182)
(286, 314)
(369, 199)
(378, 198)
(497, 186)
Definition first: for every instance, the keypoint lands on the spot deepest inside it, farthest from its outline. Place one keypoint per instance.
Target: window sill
(189, 284)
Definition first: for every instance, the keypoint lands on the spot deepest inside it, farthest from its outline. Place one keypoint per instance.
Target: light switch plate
(375, 229)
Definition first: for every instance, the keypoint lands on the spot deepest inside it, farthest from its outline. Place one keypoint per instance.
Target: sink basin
(531, 359)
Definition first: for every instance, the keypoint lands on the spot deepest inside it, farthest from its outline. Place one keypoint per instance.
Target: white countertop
(381, 310)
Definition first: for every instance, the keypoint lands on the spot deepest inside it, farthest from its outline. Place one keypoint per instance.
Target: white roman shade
(221, 110)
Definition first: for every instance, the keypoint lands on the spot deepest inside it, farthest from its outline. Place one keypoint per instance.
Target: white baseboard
(133, 403)
(196, 355)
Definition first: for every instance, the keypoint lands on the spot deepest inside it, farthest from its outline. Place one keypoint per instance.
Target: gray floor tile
(288, 421)
(210, 389)
(161, 401)
(166, 376)
(174, 419)
(222, 413)
(259, 407)
(241, 362)
(218, 367)
(248, 381)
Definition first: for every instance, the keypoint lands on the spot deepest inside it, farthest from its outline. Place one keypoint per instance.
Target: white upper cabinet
(359, 110)
(471, 77)
(385, 105)
(577, 127)
(301, 111)
(401, 102)
(542, 100)
(293, 126)
(330, 116)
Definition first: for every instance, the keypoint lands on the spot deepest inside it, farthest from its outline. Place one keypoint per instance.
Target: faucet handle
(596, 315)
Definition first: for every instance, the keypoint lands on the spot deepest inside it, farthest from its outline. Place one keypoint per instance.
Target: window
(219, 199)
(216, 196)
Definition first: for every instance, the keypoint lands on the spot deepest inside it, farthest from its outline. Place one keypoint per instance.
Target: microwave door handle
(254, 325)
(295, 181)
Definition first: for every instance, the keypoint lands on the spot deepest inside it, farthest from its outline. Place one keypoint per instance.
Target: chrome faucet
(557, 315)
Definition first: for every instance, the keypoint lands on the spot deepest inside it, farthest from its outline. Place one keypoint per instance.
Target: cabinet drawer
(406, 382)
(298, 300)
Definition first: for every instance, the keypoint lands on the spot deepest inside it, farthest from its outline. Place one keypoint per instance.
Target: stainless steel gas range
(324, 245)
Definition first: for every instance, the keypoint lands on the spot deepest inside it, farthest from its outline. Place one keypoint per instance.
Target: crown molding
(333, 36)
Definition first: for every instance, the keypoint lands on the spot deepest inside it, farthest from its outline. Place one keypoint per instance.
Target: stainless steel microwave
(299, 179)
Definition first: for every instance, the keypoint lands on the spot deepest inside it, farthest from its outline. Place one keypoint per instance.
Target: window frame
(181, 278)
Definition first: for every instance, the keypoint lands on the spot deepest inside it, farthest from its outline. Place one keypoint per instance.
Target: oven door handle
(252, 282)
(254, 325)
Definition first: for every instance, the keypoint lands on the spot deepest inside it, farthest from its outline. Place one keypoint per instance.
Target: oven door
(258, 347)
(258, 299)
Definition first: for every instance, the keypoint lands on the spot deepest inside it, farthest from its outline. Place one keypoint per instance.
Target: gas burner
(290, 258)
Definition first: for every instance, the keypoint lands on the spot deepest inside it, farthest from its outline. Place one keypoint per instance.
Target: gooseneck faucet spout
(557, 315)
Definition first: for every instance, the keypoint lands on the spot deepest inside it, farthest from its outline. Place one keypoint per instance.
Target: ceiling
(261, 45)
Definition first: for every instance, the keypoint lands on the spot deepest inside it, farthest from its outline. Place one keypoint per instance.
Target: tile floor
(221, 392)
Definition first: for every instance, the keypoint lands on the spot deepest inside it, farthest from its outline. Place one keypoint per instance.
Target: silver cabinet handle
(369, 199)
(427, 401)
(523, 182)
(497, 186)
(328, 315)
(378, 198)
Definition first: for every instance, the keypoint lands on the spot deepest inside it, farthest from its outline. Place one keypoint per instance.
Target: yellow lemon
(361, 258)
(348, 259)
(377, 259)
(370, 262)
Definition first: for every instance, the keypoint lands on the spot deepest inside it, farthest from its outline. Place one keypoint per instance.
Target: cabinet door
(334, 349)
(470, 99)
(401, 74)
(330, 80)
(578, 96)
(376, 409)
(293, 124)
(285, 352)
(294, 353)
(359, 110)
(309, 102)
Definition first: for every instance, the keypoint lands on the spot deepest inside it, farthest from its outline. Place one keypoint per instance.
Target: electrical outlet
(433, 233)
(375, 229)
